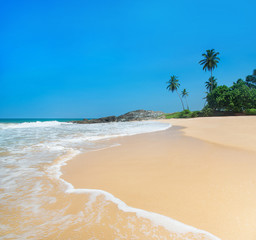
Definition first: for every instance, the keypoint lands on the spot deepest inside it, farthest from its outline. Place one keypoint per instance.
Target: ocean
(36, 203)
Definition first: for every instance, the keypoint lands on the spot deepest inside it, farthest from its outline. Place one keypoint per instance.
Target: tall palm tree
(211, 84)
(210, 60)
(184, 94)
(173, 85)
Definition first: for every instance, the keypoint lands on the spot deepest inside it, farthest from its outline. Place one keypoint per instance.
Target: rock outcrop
(137, 115)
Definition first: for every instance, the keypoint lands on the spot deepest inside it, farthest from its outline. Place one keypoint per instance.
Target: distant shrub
(186, 111)
(207, 112)
(184, 114)
(194, 114)
(237, 98)
(251, 111)
(172, 115)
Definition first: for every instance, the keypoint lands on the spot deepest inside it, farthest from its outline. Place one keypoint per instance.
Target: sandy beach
(200, 172)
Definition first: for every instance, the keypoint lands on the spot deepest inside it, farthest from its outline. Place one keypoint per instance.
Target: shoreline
(242, 136)
(167, 227)
(91, 170)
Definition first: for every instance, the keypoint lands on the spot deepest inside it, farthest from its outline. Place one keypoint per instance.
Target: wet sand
(200, 172)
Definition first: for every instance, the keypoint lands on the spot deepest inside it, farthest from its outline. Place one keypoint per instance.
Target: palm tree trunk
(181, 100)
(211, 79)
(187, 103)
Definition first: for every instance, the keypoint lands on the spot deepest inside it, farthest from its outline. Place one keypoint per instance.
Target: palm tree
(205, 98)
(184, 94)
(251, 80)
(210, 60)
(211, 84)
(173, 85)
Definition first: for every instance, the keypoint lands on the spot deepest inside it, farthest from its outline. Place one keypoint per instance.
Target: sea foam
(168, 223)
(32, 124)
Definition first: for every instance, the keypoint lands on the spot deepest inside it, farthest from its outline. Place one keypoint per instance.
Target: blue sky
(96, 58)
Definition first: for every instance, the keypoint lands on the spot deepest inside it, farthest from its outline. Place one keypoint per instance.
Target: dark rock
(98, 120)
(137, 115)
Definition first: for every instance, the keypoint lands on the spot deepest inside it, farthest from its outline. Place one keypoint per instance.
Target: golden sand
(238, 132)
(201, 172)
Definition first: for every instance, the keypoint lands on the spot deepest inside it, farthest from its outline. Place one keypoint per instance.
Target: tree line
(238, 98)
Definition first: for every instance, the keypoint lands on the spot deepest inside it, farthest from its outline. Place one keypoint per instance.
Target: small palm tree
(184, 94)
(211, 84)
(210, 60)
(205, 98)
(173, 85)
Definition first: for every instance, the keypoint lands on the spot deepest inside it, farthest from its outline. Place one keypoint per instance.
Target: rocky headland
(137, 115)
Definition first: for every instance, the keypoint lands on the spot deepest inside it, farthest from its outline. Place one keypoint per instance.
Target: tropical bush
(183, 114)
(206, 111)
(236, 98)
(175, 115)
(217, 99)
(195, 114)
(250, 111)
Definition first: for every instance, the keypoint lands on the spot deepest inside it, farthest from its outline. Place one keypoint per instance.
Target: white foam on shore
(32, 124)
(168, 223)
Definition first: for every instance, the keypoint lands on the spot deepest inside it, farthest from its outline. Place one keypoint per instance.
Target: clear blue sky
(97, 58)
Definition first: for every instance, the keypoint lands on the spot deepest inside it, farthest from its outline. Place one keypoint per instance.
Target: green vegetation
(238, 99)
(205, 112)
(250, 111)
(184, 114)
